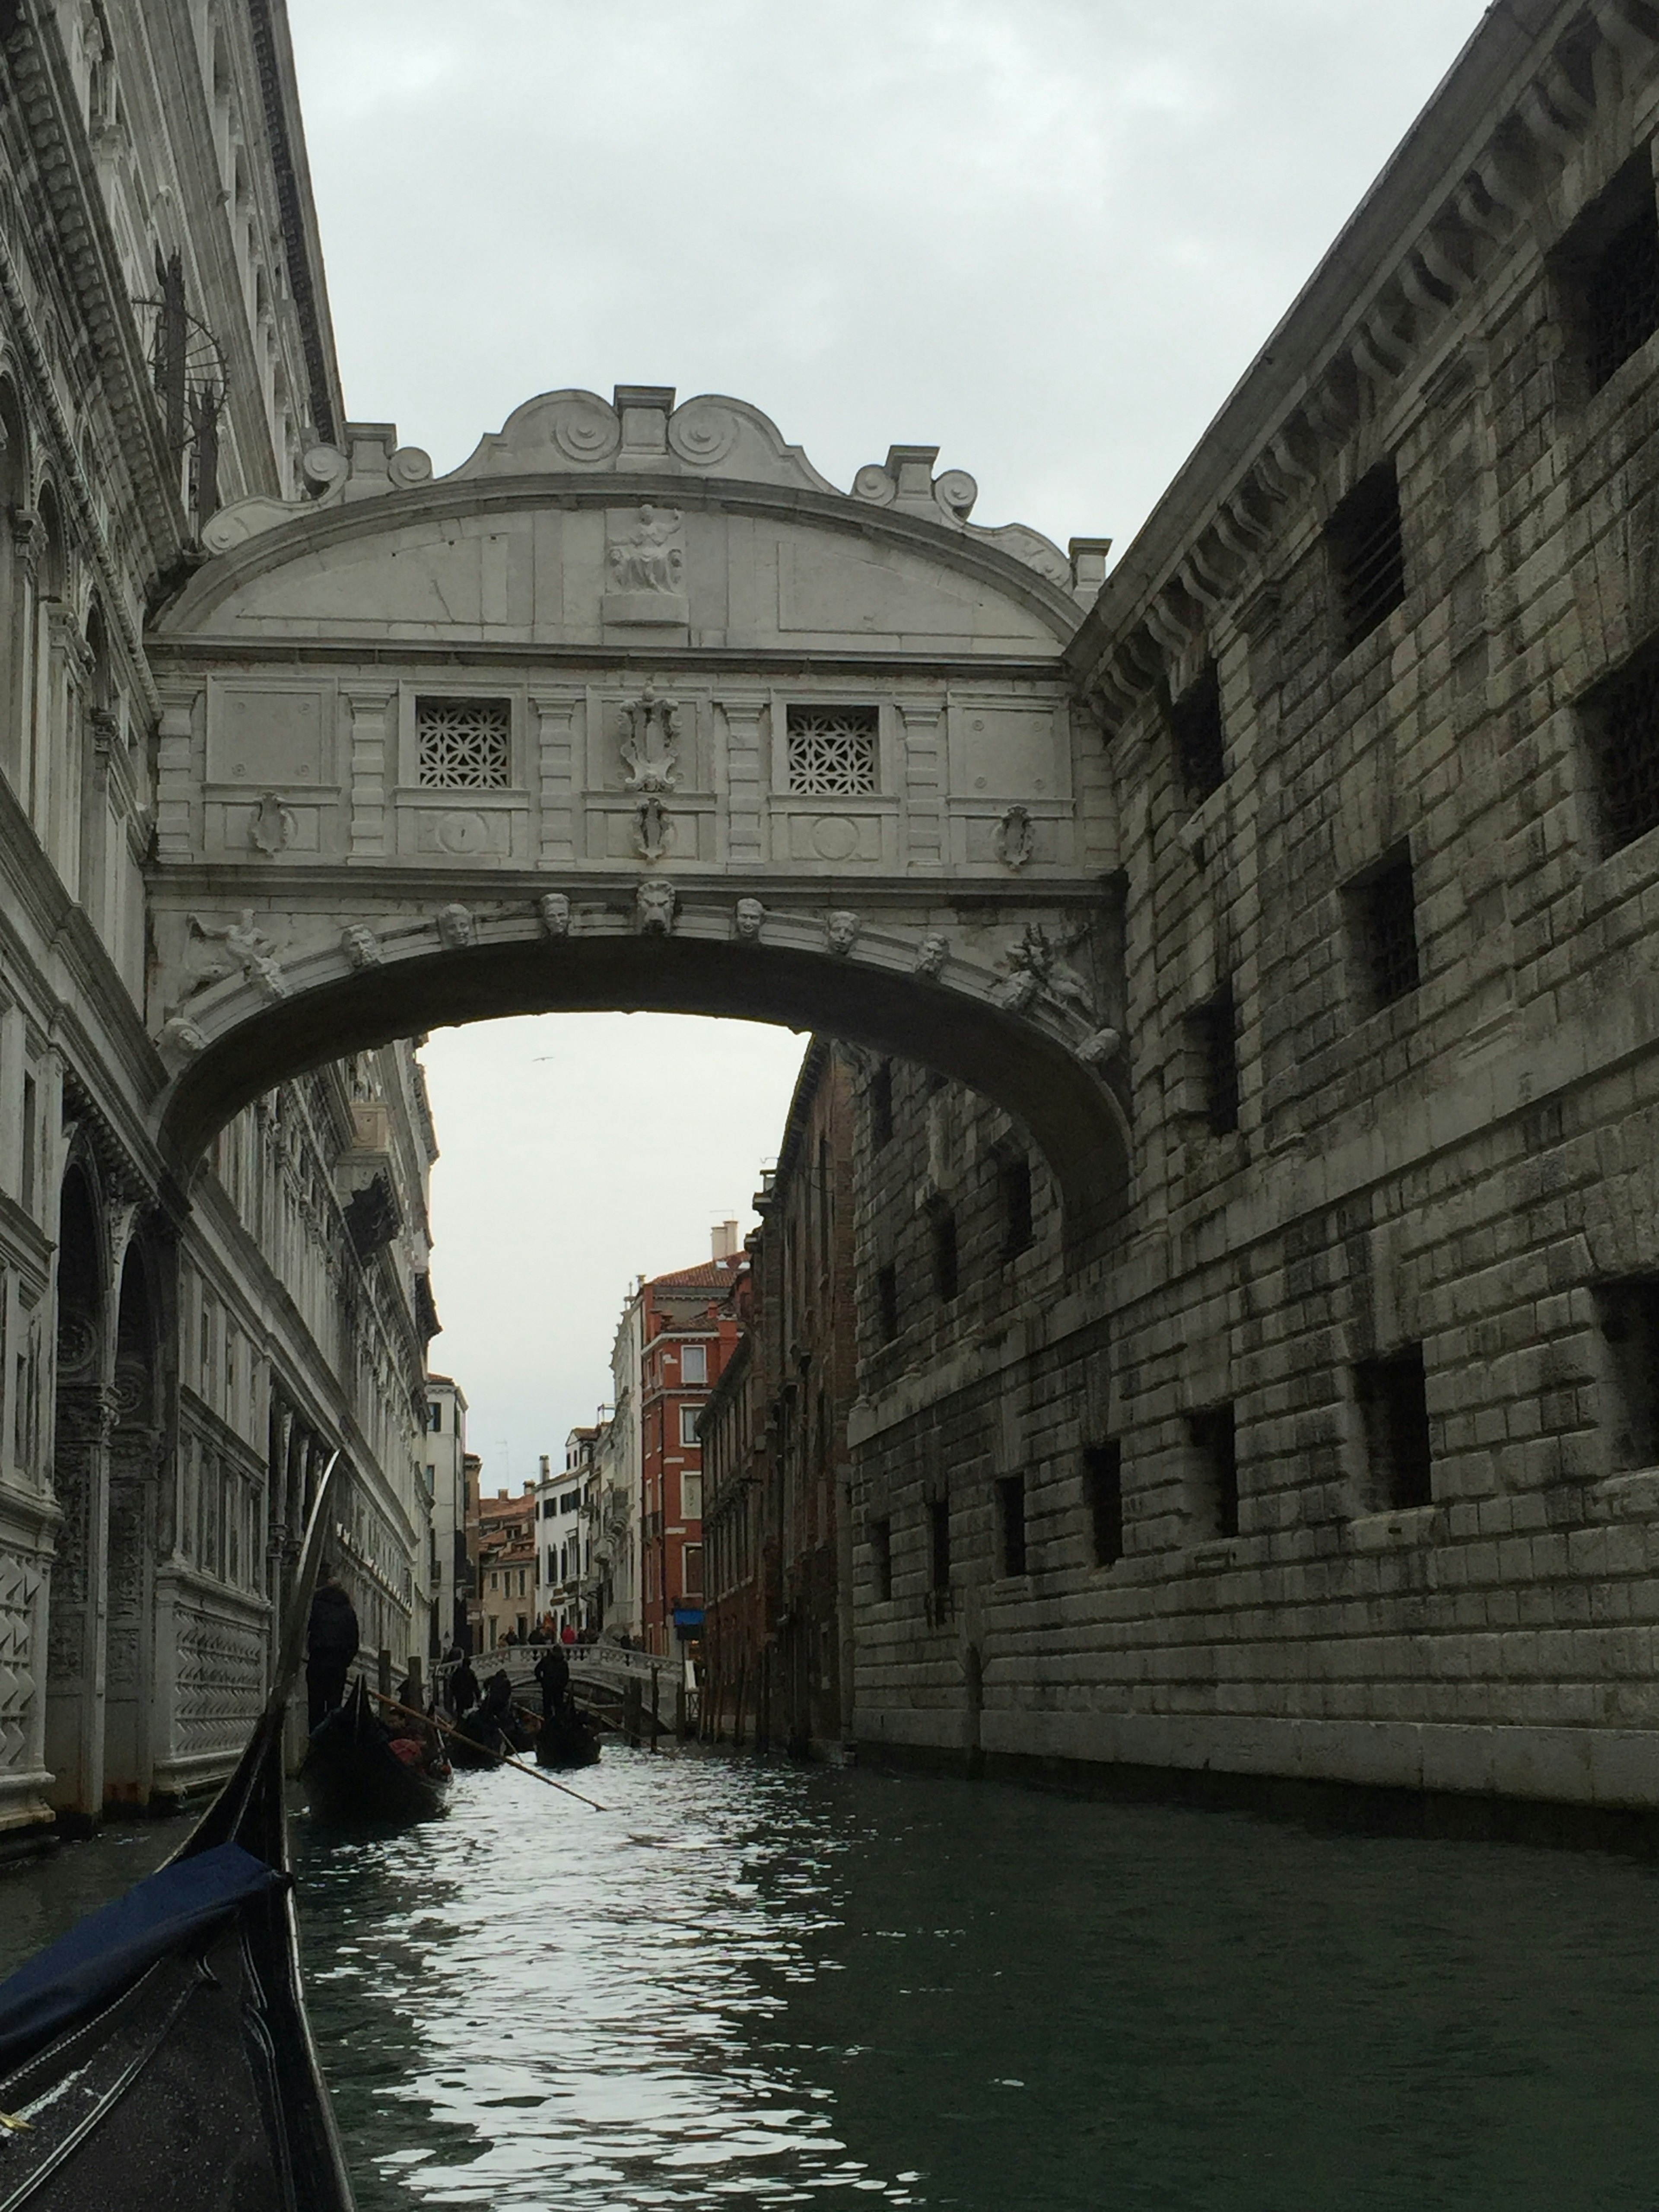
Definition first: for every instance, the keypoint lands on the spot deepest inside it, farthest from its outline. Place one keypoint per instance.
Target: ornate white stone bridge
(635, 709)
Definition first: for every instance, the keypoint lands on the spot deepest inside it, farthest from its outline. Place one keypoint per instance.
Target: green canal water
(751, 1985)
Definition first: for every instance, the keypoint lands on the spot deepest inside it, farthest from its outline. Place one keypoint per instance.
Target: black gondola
(355, 1778)
(158, 2057)
(564, 1739)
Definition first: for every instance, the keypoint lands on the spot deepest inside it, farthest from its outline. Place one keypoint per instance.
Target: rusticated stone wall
(1402, 1252)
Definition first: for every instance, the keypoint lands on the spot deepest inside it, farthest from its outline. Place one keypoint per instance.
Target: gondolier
(331, 1641)
(553, 1673)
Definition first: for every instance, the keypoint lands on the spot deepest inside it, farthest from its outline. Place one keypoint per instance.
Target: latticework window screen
(832, 751)
(463, 744)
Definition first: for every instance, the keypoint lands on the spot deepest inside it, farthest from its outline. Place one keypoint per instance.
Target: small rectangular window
(1394, 1404)
(1628, 1312)
(25, 1188)
(881, 1104)
(887, 1312)
(570, 1501)
(1103, 1488)
(1014, 1182)
(1201, 740)
(691, 1496)
(1215, 1448)
(691, 1571)
(938, 1543)
(1368, 555)
(435, 1416)
(1383, 911)
(942, 1233)
(1213, 1035)
(463, 744)
(1620, 721)
(833, 751)
(881, 1558)
(694, 1363)
(688, 1423)
(1010, 1523)
(1607, 266)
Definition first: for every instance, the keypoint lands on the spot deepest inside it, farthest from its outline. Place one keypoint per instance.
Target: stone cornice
(274, 57)
(1514, 109)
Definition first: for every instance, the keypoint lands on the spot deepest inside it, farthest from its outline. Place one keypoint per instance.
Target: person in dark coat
(463, 1692)
(331, 1639)
(553, 1673)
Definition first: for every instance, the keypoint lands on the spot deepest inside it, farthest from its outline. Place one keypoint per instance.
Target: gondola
(158, 2057)
(355, 1778)
(563, 1741)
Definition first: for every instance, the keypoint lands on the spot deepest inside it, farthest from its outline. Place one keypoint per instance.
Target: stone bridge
(634, 709)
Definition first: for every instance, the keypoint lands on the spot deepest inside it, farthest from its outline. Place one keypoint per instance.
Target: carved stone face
(931, 954)
(554, 909)
(750, 915)
(843, 928)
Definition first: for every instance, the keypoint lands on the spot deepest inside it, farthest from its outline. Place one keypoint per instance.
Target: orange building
(689, 1334)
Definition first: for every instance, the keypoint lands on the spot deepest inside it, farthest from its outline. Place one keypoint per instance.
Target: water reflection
(776, 1987)
(743, 1984)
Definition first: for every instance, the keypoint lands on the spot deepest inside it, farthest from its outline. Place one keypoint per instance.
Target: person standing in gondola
(331, 1639)
(553, 1673)
(463, 1691)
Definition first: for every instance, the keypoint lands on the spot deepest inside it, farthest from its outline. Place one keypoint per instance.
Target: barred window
(1621, 295)
(1608, 266)
(462, 744)
(1215, 1451)
(1213, 1038)
(1621, 721)
(1199, 735)
(1393, 1403)
(832, 751)
(1384, 907)
(1368, 555)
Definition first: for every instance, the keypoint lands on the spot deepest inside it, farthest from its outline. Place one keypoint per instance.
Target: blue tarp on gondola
(102, 1954)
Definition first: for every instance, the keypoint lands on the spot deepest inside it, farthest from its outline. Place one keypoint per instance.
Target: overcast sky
(1046, 235)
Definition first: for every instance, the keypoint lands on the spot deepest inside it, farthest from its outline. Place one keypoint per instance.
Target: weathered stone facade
(777, 1522)
(1374, 1366)
(174, 1367)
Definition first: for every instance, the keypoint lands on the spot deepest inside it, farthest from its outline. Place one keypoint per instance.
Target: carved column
(924, 771)
(373, 743)
(745, 785)
(134, 1457)
(86, 1414)
(556, 722)
(28, 536)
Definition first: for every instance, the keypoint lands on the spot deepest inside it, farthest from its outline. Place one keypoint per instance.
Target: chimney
(724, 1235)
(546, 1466)
(500, 1496)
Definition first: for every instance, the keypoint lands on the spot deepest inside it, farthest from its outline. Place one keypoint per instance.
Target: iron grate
(832, 751)
(1368, 553)
(1200, 737)
(462, 744)
(1389, 917)
(1621, 295)
(1625, 732)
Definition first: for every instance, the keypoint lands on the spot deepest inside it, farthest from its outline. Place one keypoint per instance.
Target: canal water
(753, 1985)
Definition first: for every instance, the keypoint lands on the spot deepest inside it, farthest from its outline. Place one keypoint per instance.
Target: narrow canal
(745, 1985)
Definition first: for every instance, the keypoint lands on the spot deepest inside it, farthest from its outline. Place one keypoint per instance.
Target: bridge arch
(635, 710)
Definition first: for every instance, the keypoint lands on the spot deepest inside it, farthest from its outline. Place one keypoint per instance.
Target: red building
(689, 1334)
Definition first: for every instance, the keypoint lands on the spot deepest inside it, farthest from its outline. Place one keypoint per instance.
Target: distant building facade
(445, 1444)
(506, 1567)
(778, 1527)
(688, 1334)
(564, 1507)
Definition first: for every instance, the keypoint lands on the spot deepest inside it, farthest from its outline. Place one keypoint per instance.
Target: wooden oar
(499, 1757)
